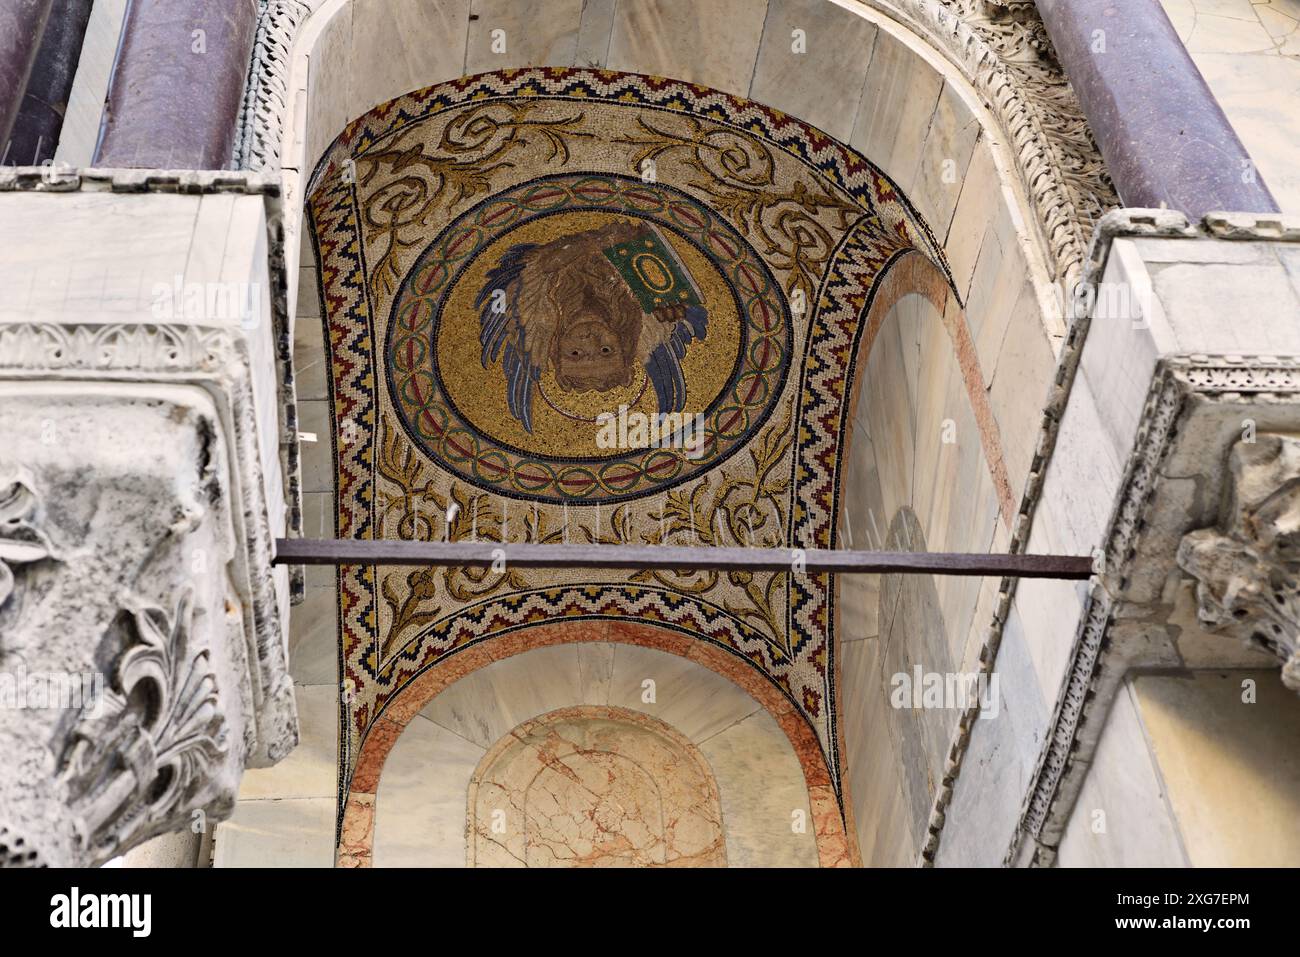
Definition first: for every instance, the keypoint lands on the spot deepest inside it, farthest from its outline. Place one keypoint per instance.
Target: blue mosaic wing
(664, 363)
(504, 334)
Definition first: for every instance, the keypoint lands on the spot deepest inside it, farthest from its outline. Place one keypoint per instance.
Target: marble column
(22, 22)
(1164, 136)
(40, 120)
(177, 88)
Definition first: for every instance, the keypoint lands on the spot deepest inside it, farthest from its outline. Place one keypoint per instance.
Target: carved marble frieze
(266, 94)
(1002, 49)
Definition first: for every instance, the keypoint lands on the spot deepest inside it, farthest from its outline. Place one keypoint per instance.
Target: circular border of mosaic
(431, 420)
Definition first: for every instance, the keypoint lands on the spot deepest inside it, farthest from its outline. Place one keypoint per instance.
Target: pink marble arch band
(357, 837)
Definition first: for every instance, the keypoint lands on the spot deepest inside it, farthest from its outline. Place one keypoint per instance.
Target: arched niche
(914, 110)
(923, 469)
(720, 706)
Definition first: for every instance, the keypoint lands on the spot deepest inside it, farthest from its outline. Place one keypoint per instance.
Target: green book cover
(654, 273)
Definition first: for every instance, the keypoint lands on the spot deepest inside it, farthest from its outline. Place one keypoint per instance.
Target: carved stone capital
(143, 661)
(1247, 567)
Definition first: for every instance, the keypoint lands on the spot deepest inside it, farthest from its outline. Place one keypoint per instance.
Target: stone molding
(266, 97)
(62, 179)
(1247, 567)
(1212, 376)
(1115, 223)
(1002, 49)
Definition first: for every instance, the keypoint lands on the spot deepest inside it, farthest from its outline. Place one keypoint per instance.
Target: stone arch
(974, 115)
(853, 197)
(356, 842)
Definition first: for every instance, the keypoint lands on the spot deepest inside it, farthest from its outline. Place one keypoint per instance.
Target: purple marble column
(178, 84)
(22, 22)
(1163, 135)
(40, 120)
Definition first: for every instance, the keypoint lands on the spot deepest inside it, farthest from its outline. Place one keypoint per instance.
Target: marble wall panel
(692, 699)
(485, 705)
(505, 34)
(1227, 745)
(125, 246)
(818, 75)
(999, 762)
(420, 807)
(1018, 388)
(285, 814)
(594, 32)
(981, 192)
(316, 447)
(328, 108)
(763, 827)
(1122, 816)
(401, 45)
(713, 44)
(946, 155)
(898, 100)
(882, 815)
(297, 832)
(309, 771)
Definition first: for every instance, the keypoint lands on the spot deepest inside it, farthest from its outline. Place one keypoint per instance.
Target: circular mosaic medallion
(586, 338)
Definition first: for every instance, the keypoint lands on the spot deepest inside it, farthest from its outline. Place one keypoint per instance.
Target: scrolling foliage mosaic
(584, 306)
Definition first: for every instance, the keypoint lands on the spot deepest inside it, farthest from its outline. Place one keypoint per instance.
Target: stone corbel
(1247, 568)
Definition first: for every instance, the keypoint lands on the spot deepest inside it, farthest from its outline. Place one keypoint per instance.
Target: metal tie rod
(347, 551)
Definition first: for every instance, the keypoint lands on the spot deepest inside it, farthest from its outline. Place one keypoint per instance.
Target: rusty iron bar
(338, 551)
